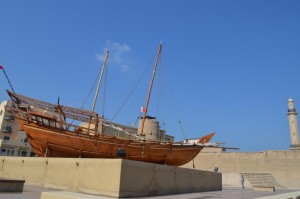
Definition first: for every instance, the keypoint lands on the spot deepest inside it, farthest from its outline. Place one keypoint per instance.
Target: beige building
(293, 122)
(12, 141)
(152, 130)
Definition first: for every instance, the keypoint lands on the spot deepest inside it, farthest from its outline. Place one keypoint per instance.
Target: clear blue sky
(226, 66)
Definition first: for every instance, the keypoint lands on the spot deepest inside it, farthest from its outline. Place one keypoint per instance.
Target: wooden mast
(98, 87)
(99, 82)
(150, 87)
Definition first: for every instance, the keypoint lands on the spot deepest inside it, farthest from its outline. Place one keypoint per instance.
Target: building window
(26, 140)
(6, 138)
(7, 129)
(12, 152)
(23, 153)
(3, 151)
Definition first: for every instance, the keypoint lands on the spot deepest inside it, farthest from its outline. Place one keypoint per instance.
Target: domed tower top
(291, 105)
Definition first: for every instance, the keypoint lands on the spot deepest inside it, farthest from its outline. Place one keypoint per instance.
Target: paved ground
(31, 192)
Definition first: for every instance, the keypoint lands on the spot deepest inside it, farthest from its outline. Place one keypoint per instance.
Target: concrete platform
(29, 192)
(109, 177)
(232, 193)
(32, 192)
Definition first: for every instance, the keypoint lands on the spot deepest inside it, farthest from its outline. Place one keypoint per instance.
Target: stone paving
(31, 192)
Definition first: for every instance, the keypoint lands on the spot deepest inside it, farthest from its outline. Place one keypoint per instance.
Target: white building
(12, 141)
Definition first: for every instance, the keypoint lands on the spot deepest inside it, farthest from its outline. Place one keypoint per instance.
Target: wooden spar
(1, 67)
(60, 113)
(99, 82)
(98, 87)
(150, 88)
(70, 112)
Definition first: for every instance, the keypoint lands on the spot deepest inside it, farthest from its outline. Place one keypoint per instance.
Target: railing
(291, 110)
(295, 146)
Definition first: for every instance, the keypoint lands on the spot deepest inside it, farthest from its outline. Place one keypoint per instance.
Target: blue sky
(226, 66)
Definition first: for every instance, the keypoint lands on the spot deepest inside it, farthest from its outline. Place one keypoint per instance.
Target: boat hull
(53, 142)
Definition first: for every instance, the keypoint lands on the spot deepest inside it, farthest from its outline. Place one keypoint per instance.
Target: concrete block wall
(283, 165)
(160, 179)
(108, 177)
(73, 174)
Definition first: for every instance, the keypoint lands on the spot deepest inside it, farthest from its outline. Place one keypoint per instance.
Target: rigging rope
(131, 92)
(160, 103)
(104, 93)
(158, 88)
(90, 91)
(137, 119)
(1, 67)
(216, 160)
(176, 109)
(92, 88)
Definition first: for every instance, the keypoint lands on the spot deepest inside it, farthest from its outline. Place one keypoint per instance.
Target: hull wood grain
(53, 142)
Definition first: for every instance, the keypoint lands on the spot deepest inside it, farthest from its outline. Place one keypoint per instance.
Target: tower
(292, 114)
(151, 128)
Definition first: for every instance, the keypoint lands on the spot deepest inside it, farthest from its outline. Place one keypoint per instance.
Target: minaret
(292, 114)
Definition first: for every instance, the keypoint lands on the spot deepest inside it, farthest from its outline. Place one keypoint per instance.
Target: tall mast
(150, 87)
(97, 91)
(99, 81)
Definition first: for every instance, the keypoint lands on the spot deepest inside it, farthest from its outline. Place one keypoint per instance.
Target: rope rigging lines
(176, 109)
(104, 92)
(131, 92)
(2, 68)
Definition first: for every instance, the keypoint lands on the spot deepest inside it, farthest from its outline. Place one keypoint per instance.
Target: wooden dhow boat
(52, 132)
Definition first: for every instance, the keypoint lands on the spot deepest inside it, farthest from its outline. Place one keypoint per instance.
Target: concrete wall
(155, 179)
(283, 165)
(108, 177)
(82, 175)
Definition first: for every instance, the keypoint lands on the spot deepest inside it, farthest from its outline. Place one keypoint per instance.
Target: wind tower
(292, 114)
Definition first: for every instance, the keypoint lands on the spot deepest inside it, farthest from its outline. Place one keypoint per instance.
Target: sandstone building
(12, 141)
